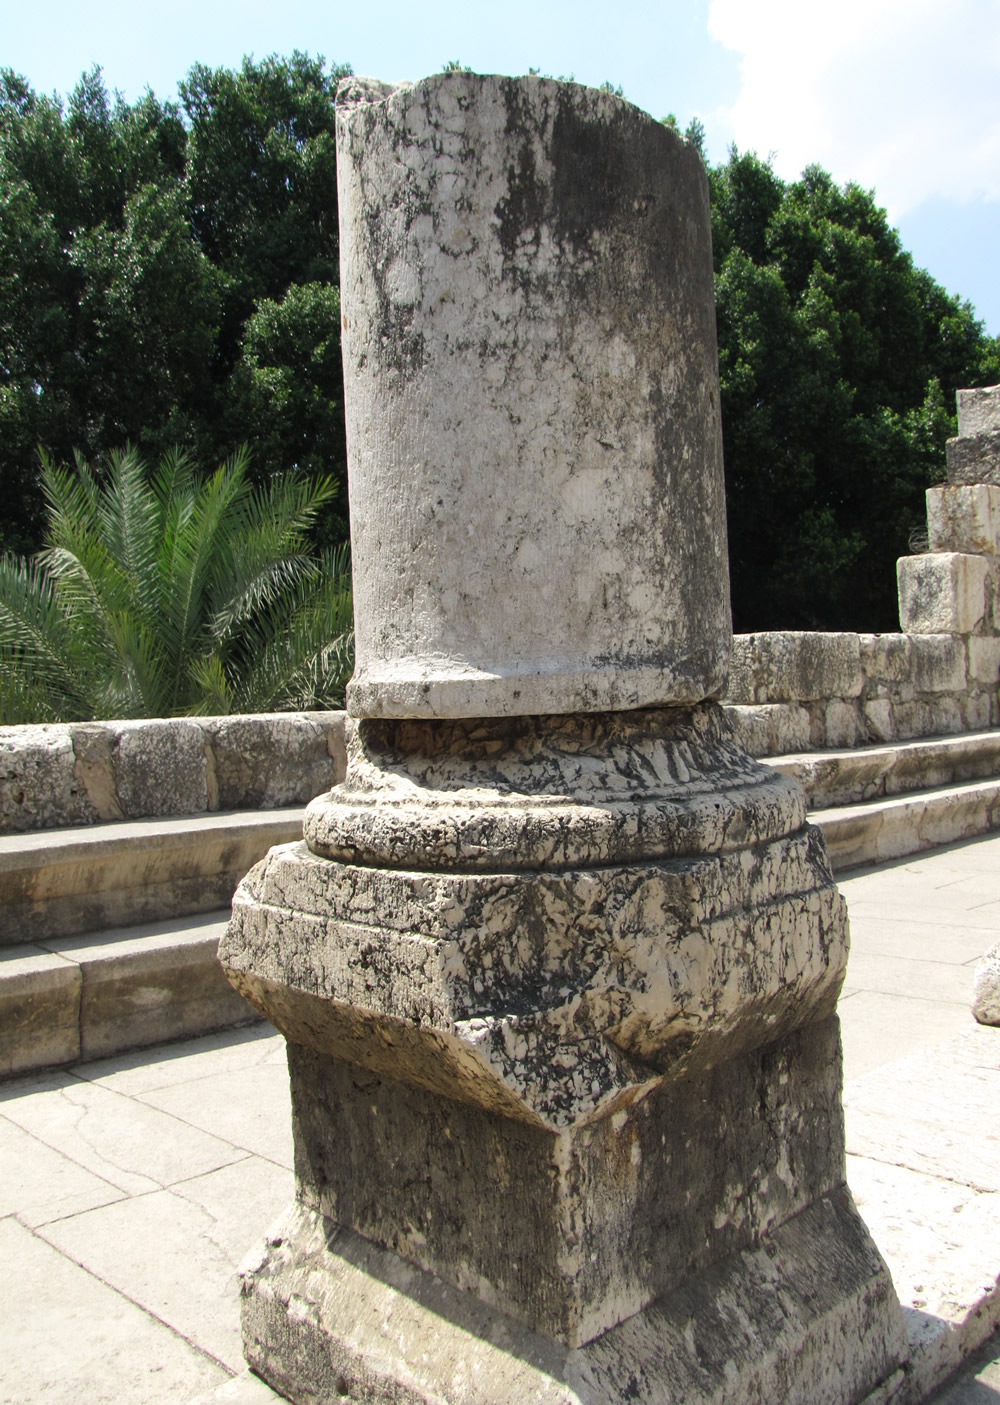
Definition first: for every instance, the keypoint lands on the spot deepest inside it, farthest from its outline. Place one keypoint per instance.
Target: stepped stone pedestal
(558, 962)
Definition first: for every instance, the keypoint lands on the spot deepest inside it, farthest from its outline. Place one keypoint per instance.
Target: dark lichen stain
(524, 209)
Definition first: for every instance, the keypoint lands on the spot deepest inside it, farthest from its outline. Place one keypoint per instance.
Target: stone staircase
(881, 802)
(108, 932)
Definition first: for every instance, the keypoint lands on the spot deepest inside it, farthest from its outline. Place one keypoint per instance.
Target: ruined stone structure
(961, 582)
(558, 962)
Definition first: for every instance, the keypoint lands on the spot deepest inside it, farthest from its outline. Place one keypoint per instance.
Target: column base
(808, 1315)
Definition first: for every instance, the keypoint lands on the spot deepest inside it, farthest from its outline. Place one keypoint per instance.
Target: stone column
(557, 964)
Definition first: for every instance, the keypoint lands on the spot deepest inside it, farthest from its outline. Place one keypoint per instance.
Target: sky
(900, 96)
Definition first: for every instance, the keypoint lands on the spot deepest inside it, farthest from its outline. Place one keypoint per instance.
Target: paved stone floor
(131, 1188)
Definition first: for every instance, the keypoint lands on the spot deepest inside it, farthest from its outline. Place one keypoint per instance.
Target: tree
(137, 242)
(166, 594)
(838, 364)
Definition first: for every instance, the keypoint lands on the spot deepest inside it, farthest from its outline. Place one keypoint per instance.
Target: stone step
(86, 997)
(57, 883)
(850, 777)
(68, 997)
(894, 826)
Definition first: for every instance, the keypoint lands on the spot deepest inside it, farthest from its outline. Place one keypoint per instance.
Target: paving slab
(249, 1107)
(164, 1066)
(919, 940)
(40, 1184)
(133, 1146)
(69, 1338)
(924, 1163)
(905, 975)
(876, 1028)
(159, 1252)
(978, 1381)
(905, 1114)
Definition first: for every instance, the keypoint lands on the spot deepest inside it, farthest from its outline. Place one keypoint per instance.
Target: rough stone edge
(100, 784)
(307, 1267)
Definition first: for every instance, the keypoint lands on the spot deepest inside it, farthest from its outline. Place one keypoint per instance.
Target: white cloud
(902, 95)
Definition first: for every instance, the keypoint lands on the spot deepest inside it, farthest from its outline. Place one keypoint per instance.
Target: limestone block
(885, 659)
(141, 987)
(975, 460)
(979, 710)
(937, 663)
(946, 716)
(39, 1009)
(944, 593)
(532, 402)
(770, 729)
(879, 719)
(984, 659)
(794, 666)
(986, 991)
(964, 517)
(753, 1334)
(842, 724)
(160, 768)
(267, 760)
(93, 748)
(978, 410)
(647, 904)
(912, 719)
(38, 786)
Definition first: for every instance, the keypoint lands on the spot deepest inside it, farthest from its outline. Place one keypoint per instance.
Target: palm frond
(44, 658)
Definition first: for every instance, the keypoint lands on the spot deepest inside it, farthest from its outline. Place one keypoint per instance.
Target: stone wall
(788, 691)
(86, 772)
(796, 691)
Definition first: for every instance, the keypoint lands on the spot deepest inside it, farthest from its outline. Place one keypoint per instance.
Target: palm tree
(161, 595)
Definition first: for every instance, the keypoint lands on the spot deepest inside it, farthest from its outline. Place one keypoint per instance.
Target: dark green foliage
(839, 363)
(168, 277)
(169, 593)
(145, 252)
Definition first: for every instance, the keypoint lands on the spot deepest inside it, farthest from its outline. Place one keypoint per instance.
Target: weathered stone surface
(93, 748)
(937, 663)
(984, 659)
(522, 930)
(978, 410)
(273, 759)
(943, 593)
(841, 724)
(39, 1009)
(159, 768)
(884, 658)
(527, 295)
(879, 719)
(794, 666)
(770, 729)
(986, 992)
(964, 517)
(854, 776)
(898, 825)
(141, 986)
(558, 988)
(520, 794)
(38, 785)
(976, 459)
(766, 1325)
(60, 882)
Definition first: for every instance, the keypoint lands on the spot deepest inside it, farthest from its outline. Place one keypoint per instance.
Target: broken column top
(534, 444)
(974, 455)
